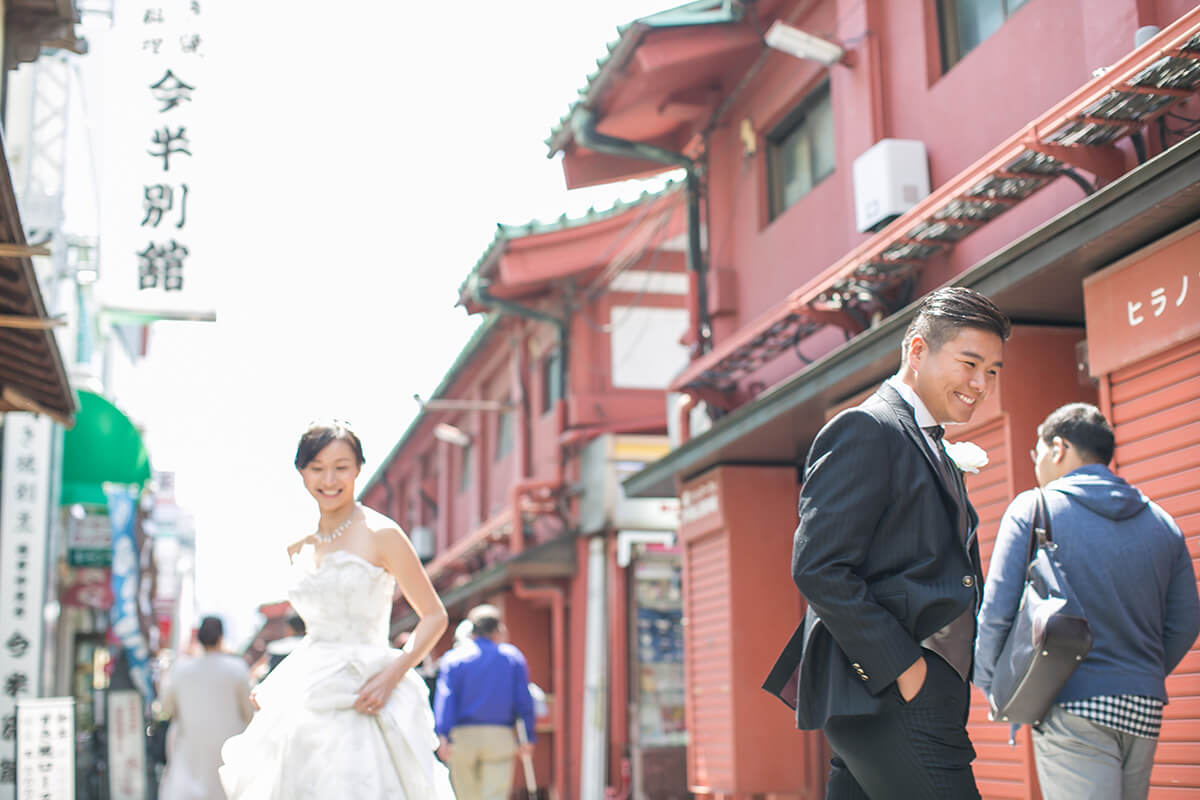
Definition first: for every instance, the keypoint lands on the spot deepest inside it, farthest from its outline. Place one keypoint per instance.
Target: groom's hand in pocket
(912, 679)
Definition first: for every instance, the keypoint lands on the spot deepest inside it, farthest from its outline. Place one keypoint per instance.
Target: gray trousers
(1079, 758)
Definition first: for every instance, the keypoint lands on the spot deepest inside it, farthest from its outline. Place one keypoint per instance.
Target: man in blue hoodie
(1130, 568)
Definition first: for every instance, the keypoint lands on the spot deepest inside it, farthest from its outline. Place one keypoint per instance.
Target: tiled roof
(621, 49)
(507, 233)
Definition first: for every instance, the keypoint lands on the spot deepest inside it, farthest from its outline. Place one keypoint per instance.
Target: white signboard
(46, 749)
(126, 746)
(155, 203)
(24, 517)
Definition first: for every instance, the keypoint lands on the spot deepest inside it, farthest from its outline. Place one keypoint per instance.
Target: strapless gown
(307, 742)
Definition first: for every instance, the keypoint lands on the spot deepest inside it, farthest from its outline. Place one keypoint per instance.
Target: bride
(344, 715)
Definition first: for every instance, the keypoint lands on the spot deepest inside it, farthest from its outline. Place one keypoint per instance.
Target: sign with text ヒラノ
(1145, 303)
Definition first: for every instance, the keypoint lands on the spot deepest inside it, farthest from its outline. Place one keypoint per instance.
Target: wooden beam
(9, 250)
(31, 323)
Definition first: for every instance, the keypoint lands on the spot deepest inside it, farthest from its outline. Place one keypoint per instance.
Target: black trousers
(917, 750)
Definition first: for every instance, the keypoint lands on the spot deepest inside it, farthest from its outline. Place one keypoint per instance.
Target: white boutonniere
(967, 456)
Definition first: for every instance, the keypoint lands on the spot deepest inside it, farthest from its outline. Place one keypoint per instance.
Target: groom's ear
(918, 348)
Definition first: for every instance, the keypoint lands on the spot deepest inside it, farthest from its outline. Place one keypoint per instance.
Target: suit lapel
(908, 423)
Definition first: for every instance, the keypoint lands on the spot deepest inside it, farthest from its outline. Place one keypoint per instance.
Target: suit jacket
(879, 558)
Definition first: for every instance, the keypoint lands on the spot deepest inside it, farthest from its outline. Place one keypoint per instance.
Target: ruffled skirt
(307, 742)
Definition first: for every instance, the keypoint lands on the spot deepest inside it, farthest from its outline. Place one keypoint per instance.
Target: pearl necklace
(326, 538)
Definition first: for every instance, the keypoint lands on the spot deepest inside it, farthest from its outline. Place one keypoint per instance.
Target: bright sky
(361, 154)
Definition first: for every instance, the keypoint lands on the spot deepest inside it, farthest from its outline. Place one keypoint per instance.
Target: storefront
(1102, 313)
(104, 447)
(1143, 317)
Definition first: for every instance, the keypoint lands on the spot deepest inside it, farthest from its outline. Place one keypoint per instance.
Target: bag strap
(1040, 535)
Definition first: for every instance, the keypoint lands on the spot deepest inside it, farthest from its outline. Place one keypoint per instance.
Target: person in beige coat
(208, 701)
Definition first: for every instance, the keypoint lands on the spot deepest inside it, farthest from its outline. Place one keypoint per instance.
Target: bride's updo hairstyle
(320, 434)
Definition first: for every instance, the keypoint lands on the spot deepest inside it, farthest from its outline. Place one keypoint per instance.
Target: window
(800, 151)
(504, 434)
(465, 467)
(966, 23)
(551, 372)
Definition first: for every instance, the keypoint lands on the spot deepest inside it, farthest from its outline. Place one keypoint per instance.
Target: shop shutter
(1154, 406)
(707, 638)
(1002, 771)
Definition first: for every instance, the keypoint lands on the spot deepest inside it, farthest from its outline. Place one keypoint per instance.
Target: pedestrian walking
(207, 701)
(885, 554)
(344, 715)
(482, 692)
(1131, 571)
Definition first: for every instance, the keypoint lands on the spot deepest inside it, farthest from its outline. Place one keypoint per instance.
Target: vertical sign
(126, 621)
(24, 518)
(154, 144)
(126, 746)
(46, 749)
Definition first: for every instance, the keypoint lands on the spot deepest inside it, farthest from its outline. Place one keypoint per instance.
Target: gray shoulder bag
(1049, 637)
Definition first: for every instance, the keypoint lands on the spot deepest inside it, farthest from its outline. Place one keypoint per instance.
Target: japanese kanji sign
(24, 518)
(45, 734)
(1144, 303)
(153, 218)
(126, 746)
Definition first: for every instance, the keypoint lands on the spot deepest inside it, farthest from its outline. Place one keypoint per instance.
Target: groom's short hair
(944, 311)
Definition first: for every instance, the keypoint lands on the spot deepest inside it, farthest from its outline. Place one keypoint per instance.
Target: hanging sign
(24, 518)
(152, 60)
(46, 749)
(126, 623)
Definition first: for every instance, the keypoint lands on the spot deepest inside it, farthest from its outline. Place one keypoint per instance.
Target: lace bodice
(344, 599)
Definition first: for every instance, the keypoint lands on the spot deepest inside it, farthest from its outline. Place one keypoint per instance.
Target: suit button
(865, 677)
(968, 580)
(857, 667)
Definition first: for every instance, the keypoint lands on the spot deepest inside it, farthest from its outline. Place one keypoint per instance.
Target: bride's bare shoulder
(380, 525)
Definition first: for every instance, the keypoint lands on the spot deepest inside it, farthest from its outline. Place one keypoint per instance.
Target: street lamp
(795, 42)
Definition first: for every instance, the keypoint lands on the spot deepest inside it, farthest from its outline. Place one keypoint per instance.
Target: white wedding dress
(307, 742)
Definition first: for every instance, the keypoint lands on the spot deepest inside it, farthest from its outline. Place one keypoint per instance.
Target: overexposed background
(358, 156)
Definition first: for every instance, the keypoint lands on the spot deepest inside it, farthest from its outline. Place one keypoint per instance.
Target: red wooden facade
(782, 298)
(491, 465)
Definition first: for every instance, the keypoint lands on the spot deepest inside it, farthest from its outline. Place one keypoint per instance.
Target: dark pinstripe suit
(882, 564)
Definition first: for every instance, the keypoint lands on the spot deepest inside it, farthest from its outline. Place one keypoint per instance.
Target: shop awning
(1036, 280)
(32, 376)
(104, 446)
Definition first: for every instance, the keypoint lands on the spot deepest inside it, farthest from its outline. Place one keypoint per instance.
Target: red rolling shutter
(1154, 406)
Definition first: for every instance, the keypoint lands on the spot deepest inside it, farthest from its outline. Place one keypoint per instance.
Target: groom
(886, 556)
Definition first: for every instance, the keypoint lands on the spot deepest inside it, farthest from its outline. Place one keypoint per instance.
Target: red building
(842, 159)
(508, 481)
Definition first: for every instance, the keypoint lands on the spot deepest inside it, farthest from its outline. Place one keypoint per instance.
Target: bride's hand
(374, 694)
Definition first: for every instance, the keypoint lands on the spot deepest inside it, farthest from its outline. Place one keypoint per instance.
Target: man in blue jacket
(1129, 565)
(482, 691)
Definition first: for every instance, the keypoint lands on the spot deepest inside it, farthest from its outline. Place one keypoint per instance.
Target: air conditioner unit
(889, 179)
(423, 542)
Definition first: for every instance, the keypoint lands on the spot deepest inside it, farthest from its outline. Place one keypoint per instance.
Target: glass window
(504, 434)
(966, 23)
(551, 371)
(800, 151)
